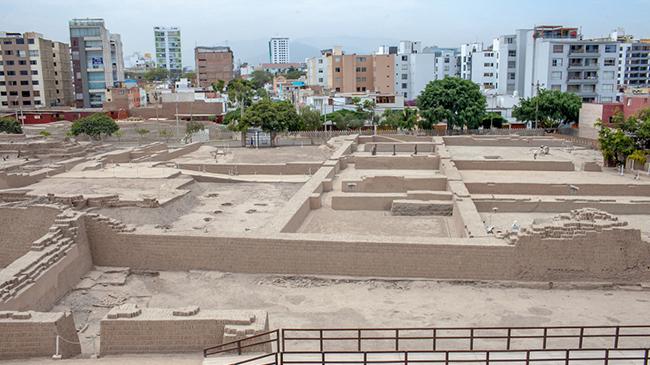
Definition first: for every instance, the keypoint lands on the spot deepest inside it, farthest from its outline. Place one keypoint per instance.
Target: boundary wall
(535, 165)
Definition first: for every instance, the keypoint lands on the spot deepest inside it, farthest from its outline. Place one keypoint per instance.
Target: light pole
(177, 128)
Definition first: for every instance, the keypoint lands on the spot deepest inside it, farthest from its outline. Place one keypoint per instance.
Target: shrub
(10, 125)
(95, 126)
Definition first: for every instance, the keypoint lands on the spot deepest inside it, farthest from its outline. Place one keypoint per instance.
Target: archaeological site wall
(535, 165)
(33, 334)
(17, 237)
(290, 168)
(129, 329)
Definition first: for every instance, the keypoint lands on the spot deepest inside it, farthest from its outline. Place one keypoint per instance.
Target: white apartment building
(279, 50)
(466, 52)
(447, 64)
(117, 58)
(318, 68)
(168, 48)
(548, 57)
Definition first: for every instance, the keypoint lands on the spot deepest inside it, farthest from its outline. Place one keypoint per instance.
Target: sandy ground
(211, 208)
(382, 223)
(577, 155)
(313, 302)
(262, 156)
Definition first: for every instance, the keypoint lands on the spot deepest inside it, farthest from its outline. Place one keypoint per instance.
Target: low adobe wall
(17, 237)
(33, 334)
(290, 168)
(503, 141)
(129, 329)
(402, 147)
(20, 179)
(558, 189)
(560, 205)
(431, 162)
(394, 184)
(610, 255)
(382, 201)
(535, 165)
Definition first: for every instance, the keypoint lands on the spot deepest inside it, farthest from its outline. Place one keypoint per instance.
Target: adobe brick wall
(128, 329)
(17, 237)
(431, 162)
(33, 334)
(557, 189)
(502, 141)
(453, 258)
(394, 184)
(291, 168)
(535, 165)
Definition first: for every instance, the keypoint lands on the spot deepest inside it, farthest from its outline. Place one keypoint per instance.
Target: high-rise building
(213, 64)
(634, 59)
(279, 50)
(168, 48)
(34, 71)
(96, 60)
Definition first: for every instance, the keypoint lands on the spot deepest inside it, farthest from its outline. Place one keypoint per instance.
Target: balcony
(582, 80)
(582, 66)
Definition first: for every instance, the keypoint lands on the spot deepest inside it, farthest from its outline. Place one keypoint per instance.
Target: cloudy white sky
(357, 24)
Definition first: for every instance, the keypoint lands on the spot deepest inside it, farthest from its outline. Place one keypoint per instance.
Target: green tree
(10, 125)
(347, 119)
(192, 127)
(156, 74)
(94, 126)
(453, 100)
(271, 117)
(240, 92)
(293, 73)
(549, 108)
(259, 78)
(190, 75)
(218, 86)
(311, 119)
(493, 120)
(166, 134)
(405, 119)
(615, 145)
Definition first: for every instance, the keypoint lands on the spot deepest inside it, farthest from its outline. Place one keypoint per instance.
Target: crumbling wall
(503, 141)
(290, 168)
(394, 184)
(33, 334)
(529, 188)
(53, 266)
(21, 227)
(484, 258)
(129, 329)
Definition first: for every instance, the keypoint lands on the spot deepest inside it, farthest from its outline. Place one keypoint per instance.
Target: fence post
(545, 332)
(359, 340)
(434, 339)
(566, 357)
(446, 357)
(471, 339)
(606, 357)
(321, 340)
(645, 357)
(487, 357)
(527, 357)
(509, 334)
(582, 333)
(365, 358)
(322, 358)
(276, 358)
(406, 358)
(618, 330)
(396, 340)
(239, 347)
(282, 341)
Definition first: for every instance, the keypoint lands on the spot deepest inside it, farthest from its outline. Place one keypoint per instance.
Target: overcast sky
(219, 22)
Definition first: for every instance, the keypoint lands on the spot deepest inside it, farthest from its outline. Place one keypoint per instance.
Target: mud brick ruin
(84, 218)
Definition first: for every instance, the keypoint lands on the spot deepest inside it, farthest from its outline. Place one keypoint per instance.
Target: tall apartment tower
(97, 61)
(212, 64)
(279, 50)
(34, 71)
(634, 58)
(168, 48)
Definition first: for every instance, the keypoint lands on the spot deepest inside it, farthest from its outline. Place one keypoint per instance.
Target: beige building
(212, 64)
(34, 71)
(352, 73)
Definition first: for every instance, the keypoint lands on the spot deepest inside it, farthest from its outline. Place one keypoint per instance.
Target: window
(33, 62)
(557, 62)
(404, 85)
(512, 64)
(487, 64)
(511, 76)
(337, 69)
(556, 75)
(610, 62)
(22, 62)
(405, 58)
(35, 82)
(3, 93)
(27, 102)
(36, 93)
(608, 75)
(608, 88)
(610, 48)
(558, 48)
(512, 53)
(361, 59)
(405, 76)
(20, 41)
(31, 41)
(8, 53)
(13, 73)
(25, 94)
(556, 87)
(10, 63)
(35, 72)
(24, 82)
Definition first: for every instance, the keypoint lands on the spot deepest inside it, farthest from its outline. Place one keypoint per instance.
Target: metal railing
(448, 345)
(270, 337)
(565, 356)
(465, 338)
